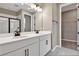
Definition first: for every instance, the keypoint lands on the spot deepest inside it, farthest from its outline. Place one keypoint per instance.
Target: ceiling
(16, 7)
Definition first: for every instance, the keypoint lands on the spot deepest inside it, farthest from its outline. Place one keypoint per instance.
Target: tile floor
(63, 52)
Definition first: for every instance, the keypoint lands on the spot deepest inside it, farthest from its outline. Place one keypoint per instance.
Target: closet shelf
(69, 40)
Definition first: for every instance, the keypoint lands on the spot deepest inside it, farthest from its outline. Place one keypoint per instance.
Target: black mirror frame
(14, 19)
(9, 22)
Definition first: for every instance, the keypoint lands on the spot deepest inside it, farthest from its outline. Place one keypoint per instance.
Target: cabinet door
(42, 47)
(45, 44)
(48, 43)
(33, 49)
(18, 52)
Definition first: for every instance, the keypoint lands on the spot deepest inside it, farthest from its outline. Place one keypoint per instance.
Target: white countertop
(24, 35)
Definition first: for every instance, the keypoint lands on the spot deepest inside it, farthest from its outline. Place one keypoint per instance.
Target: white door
(48, 43)
(54, 33)
(43, 47)
(45, 44)
(33, 49)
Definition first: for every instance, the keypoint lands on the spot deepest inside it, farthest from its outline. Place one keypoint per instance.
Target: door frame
(32, 19)
(60, 22)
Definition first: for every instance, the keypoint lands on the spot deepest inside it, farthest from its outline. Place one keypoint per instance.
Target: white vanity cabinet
(26, 47)
(38, 45)
(33, 50)
(45, 44)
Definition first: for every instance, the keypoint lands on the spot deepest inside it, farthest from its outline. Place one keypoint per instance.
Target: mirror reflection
(8, 25)
(4, 25)
(27, 23)
(17, 15)
(14, 25)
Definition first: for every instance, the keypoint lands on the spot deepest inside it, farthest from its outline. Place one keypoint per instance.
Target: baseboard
(55, 48)
(47, 52)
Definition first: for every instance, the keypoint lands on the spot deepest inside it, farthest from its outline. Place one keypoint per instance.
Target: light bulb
(39, 9)
(33, 6)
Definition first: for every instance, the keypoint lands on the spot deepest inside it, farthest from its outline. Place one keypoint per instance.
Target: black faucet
(17, 32)
(37, 31)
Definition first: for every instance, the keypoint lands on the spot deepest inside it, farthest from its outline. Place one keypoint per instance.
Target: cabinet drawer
(6, 48)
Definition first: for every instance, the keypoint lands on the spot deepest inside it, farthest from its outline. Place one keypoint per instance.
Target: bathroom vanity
(28, 44)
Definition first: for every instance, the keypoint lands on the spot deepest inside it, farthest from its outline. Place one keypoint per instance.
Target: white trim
(60, 27)
(23, 19)
(55, 48)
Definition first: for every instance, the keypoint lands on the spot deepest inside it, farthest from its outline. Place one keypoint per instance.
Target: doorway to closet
(69, 28)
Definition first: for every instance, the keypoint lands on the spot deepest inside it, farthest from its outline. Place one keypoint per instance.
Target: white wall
(47, 17)
(44, 21)
(55, 26)
(44, 18)
(39, 21)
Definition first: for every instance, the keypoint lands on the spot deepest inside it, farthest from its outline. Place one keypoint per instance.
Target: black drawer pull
(25, 53)
(78, 32)
(46, 42)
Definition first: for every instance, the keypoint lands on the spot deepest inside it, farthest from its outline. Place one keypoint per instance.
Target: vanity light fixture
(33, 7)
(36, 8)
(39, 9)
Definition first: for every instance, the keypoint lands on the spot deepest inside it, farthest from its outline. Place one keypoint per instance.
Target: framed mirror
(14, 24)
(9, 25)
